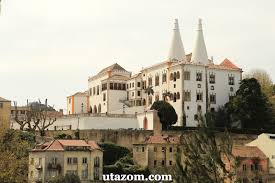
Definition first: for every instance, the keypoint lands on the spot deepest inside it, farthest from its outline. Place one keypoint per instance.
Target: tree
(166, 113)
(37, 117)
(69, 178)
(204, 156)
(264, 79)
(250, 106)
(14, 148)
(112, 153)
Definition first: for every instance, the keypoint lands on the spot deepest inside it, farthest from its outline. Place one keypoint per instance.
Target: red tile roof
(58, 145)
(227, 63)
(159, 139)
(248, 152)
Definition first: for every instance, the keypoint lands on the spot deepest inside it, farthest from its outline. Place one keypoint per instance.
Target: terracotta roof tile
(227, 63)
(248, 152)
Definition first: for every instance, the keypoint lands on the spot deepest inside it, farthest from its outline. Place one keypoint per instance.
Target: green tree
(14, 148)
(166, 113)
(250, 106)
(69, 178)
(112, 153)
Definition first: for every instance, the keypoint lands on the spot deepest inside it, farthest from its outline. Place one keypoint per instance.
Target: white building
(191, 83)
(266, 143)
(78, 103)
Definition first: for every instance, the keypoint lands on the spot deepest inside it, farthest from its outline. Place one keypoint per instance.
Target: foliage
(125, 165)
(112, 153)
(203, 157)
(264, 80)
(63, 136)
(166, 113)
(250, 106)
(14, 148)
(69, 178)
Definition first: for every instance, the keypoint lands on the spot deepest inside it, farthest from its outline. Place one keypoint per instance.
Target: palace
(191, 83)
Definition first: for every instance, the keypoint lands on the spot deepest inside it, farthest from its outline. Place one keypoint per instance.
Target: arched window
(175, 97)
(95, 109)
(145, 123)
(99, 108)
(97, 162)
(175, 76)
(144, 102)
(91, 109)
(171, 76)
(178, 75)
(178, 95)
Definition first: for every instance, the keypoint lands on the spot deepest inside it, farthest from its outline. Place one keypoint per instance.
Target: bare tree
(23, 119)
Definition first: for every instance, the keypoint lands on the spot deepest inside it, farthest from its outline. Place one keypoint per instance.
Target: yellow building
(60, 157)
(5, 112)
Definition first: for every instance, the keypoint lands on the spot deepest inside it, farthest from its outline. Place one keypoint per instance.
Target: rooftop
(59, 145)
(248, 152)
(4, 100)
(112, 67)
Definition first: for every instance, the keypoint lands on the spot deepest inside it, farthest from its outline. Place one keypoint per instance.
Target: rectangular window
(104, 87)
(138, 93)
(84, 174)
(186, 75)
(111, 86)
(84, 160)
(231, 80)
(155, 162)
(143, 84)
(170, 163)
(97, 90)
(212, 78)
(213, 98)
(123, 86)
(164, 78)
(104, 97)
(133, 94)
(119, 86)
(143, 149)
(115, 86)
(187, 96)
(138, 84)
(155, 149)
(54, 160)
(93, 90)
(198, 76)
(170, 149)
(74, 160)
(156, 80)
(199, 96)
(150, 82)
(69, 161)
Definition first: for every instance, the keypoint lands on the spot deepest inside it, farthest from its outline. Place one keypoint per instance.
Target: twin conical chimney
(199, 54)
(176, 52)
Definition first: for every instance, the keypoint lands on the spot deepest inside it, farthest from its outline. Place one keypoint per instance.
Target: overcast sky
(48, 48)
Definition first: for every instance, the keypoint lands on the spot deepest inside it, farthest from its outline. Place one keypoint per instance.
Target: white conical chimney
(176, 51)
(199, 54)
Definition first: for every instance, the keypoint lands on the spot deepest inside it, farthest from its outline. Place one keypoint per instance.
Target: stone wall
(127, 138)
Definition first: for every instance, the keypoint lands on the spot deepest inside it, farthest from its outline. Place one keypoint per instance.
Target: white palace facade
(191, 83)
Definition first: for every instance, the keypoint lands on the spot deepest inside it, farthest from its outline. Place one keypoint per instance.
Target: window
(138, 93)
(69, 161)
(143, 149)
(171, 76)
(157, 80)
(127, 86)
(115, 86)
(111, 86)
(162, 162)
(143, 84)
(97, 90)
(196, 117)
(170, 163)
(175, 76)
(93, 90)
(212, 88)
(54, 160)
(244, 167)
(150, 81)
(164, 77)
(123, 86)
(198, 76)
(175, 97)
(231, 80)
(96, 162)
(155, 162)
(187, 96)
(199, 108)
(104, 87)
(96, 174)
(74, 160)
(133, 94)
(199, 85)
(155, 149)
(213, 98)
(163, 149)
(199, 96)
(84, 174)
(133, 84)
(84, 160)
(104, 96)
(138, 84)
(186, 75)
(231, 89)
(178, 75)
(212, 78)
(170, 149)
(178, 95)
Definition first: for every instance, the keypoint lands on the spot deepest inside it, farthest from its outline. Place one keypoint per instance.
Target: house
(78, 103)
(5, 112)
(60, 157)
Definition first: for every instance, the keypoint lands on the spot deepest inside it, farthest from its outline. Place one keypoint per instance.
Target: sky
(49, 48)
